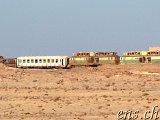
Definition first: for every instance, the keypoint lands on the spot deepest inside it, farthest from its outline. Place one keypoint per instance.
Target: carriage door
(149, 60)
(57, 62)
(67, 61)
(62, 62)
(96, 60)
(90, 60)
(142, 60)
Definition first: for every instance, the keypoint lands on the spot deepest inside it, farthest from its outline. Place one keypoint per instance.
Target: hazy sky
(61, 27)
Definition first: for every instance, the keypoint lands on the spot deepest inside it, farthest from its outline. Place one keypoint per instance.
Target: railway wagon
(84, 59)
(133, 57)
(43, 62)
(107, 57)
(153, 56)
(10, 62)
(139, 57)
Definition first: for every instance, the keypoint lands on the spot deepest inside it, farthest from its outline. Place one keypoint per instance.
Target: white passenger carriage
(42, 61)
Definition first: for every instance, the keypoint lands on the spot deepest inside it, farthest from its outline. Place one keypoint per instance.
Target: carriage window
(32, 61)
(24, 61)
(28, 61)
(48, 60)
(44, 60)
(52, 60)
(56, 60)
(36, 61)
(40, 60)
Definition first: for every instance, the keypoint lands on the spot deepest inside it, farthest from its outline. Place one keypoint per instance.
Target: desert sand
(80, 93)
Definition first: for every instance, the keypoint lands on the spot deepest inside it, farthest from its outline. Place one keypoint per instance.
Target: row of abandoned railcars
(78, 59)
(93, 58)
(84, 59)
(137, 57)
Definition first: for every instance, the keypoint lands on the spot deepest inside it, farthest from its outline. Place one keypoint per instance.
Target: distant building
(154, 48)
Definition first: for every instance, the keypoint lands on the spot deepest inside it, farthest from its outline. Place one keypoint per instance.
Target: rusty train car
(10, 62)
(83, 59)
(94, 58)
(107, 57)
(138, 57)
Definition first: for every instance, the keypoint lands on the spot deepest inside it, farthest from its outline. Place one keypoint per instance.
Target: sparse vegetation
(80, 93)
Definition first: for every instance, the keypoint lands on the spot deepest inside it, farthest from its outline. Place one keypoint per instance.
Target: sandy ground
(85, 93)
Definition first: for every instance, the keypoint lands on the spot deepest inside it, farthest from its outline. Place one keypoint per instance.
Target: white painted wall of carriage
(42, 61)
